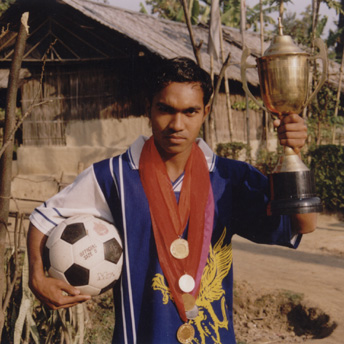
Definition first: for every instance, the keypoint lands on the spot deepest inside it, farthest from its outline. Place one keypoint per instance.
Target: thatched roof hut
(95, 59)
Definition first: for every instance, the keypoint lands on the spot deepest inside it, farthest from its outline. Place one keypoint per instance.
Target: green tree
(5, 4)
(253, 14)
(301, 28)
(173, 10)
(200, 11)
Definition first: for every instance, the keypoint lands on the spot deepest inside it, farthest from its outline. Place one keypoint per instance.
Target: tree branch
(196, 47)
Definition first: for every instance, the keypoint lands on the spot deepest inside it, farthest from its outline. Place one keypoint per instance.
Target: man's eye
(191, 112)
(166, 109)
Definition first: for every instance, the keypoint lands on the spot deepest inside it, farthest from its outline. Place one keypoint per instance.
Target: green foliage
(293, 297)
(231, 150)
(173, 9)
(241, 106)
(301, 28)
(253, 14)
(230, 14)
(5, 4)
(333, 39)
(327, 162)
(322, 121)
(200, 11)
(266, 161)
(336, 5)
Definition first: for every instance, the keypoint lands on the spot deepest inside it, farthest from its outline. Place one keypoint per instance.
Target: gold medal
(189, 302)
(185, 333)
(179, 248)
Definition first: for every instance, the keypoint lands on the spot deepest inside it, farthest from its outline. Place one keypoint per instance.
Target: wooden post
(6, 158)
(243, 29)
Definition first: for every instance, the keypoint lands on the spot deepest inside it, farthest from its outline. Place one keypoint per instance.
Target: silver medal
(186, 283)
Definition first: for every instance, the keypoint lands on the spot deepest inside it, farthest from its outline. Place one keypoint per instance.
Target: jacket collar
(134, 153)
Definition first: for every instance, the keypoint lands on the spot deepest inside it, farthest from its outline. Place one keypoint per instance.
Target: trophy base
(295, 206)
(293, 193)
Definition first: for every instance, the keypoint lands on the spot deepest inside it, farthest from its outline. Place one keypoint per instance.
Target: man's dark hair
(180, 69)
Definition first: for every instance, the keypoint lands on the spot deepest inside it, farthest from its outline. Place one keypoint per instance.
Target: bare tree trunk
(6, 159)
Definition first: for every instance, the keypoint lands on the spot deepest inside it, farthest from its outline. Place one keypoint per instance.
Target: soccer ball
(85, 252)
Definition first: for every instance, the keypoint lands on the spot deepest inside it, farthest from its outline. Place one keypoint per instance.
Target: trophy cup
(284, 80)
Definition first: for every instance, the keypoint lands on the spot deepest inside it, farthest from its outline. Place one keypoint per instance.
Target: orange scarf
(170, 219)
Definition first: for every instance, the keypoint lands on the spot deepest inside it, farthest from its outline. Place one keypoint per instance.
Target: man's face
(177, 113)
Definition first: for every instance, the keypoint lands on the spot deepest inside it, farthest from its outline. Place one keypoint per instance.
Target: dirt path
(315, 269)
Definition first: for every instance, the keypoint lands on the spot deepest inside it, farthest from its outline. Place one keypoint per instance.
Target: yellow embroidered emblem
(218, 265)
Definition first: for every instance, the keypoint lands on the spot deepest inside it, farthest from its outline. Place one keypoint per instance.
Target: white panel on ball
(101, 231)
(89, 290)
(61, 255)
(103, 274)
(57, 274)
(55, 235)
(88, 253)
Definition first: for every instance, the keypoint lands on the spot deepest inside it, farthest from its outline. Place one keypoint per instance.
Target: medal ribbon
(169, 219)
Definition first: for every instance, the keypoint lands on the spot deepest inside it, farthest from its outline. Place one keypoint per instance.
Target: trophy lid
(282, 44)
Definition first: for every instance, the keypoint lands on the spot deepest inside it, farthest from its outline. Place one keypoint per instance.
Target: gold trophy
(284, 83)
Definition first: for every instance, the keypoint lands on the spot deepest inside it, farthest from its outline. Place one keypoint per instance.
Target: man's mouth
(175, 138)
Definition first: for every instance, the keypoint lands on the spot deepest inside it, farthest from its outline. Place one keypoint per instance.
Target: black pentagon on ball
(77, 275)
(73, 232)
(112, 250)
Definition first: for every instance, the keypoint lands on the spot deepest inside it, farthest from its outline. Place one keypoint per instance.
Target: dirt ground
(291, 296)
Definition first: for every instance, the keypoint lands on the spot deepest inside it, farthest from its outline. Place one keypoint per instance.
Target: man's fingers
(292, 131)
(289, 134)
(292, 118)
(65, 301)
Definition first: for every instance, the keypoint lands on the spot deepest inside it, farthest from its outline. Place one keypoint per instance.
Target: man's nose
(177, 122)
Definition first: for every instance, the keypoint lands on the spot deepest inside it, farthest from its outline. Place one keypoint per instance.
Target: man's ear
(206, 111)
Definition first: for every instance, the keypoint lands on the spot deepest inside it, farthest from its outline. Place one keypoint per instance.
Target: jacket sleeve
(250, 218)
(83, 196)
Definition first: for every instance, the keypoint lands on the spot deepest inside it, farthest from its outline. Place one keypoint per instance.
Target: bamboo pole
(338, 98)
(227, 91)
(211, 116)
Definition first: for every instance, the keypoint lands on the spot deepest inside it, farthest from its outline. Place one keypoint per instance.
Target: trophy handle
(323, 57)
(244, 66)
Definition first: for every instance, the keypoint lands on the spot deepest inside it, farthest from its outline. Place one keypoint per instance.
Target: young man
(177, 206)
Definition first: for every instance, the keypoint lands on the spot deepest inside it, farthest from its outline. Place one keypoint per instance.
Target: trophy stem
(289, 162)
